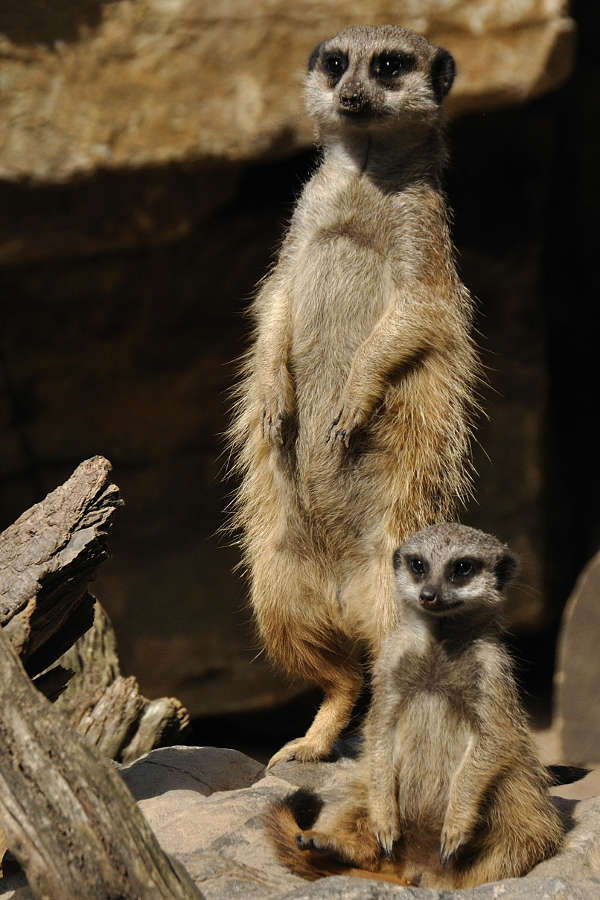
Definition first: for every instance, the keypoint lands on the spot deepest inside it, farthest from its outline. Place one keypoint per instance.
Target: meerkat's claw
(274, 424)
(385, 839)
(452, 840)
(349, 420)
(332, 432)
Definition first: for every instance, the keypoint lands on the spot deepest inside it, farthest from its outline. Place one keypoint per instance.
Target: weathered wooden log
(68, 818)
(46, 560)
(108, 708)
(59, 629)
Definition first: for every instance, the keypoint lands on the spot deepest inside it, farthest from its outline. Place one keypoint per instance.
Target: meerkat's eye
(335, 64)
(416, 565)
(389, 66)
(464, 568)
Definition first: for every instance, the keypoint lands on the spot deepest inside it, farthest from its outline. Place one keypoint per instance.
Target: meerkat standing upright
(449, 791)
(353, 414)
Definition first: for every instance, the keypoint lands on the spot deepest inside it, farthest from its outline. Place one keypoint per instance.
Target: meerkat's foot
(349, 848)
(302, 750)
(314, 840)
(349, 420)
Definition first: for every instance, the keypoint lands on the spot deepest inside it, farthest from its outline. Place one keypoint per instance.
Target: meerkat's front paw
(454, 836)
(386, 837)
(349, 420)
(386, 828)
(275, 422)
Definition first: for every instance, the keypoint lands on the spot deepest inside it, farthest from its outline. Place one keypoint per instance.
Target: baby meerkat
(450, 792)
(352, 421)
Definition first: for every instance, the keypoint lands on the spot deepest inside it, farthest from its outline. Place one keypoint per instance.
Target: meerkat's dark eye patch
(417, 566)
(386, 67)
(314, 57)
(334, 63)
(464, 568)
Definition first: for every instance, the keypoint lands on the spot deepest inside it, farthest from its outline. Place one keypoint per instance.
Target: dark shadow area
(572, 321)
(259, 734)
(43, 22)
(110, 211)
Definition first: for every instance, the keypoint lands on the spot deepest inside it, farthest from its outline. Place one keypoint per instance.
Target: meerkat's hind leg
(524, 828)
(341, 678)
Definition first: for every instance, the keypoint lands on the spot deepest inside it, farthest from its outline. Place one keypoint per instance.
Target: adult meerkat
(450, 792)
(352, 420)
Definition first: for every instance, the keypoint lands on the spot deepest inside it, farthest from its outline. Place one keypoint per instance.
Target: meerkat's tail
(285, 821)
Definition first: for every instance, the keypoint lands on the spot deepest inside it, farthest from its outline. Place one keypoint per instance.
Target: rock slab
(578, 670)
(206, 807)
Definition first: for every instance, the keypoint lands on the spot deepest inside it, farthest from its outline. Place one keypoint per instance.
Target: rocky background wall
(150, 152)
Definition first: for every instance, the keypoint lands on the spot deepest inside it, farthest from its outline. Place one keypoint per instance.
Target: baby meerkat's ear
(506, 569)
(397, 559)
(443, 70)
(314, 57)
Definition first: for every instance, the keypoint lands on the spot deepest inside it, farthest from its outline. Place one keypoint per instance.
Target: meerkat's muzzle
(354, 101)
(432, 602)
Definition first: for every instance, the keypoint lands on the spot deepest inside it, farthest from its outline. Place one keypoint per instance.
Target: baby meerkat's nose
(428, 597)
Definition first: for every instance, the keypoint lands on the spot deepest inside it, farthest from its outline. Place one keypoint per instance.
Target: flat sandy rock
(206, 807)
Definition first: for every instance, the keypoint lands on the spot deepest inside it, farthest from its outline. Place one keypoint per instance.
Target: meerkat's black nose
(428, 597)
(352, 98)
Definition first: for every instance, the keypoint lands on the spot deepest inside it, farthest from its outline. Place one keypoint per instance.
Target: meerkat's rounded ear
(314, 57)
(397, 559)
(443, 70)
(506, 569)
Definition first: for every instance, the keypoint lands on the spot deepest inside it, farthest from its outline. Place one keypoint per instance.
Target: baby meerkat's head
(452, 569)
(377, 77)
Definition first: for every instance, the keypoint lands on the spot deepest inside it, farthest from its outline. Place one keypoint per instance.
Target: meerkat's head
(452, 570)
(377, 78)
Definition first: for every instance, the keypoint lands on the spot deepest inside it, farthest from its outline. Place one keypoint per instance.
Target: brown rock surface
(206, 807)
(577, 680)
(93, 85)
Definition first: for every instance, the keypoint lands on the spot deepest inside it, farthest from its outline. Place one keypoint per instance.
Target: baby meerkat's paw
(386, 827)
(454, 836)
(349, 420)
(386, 837)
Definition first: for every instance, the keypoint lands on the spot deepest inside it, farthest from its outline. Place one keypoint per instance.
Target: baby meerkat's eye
(464, 568)
(416, 565)
(335, 64)
(388, 66)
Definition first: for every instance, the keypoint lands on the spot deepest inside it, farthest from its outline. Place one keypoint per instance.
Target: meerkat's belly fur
(353, 413)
